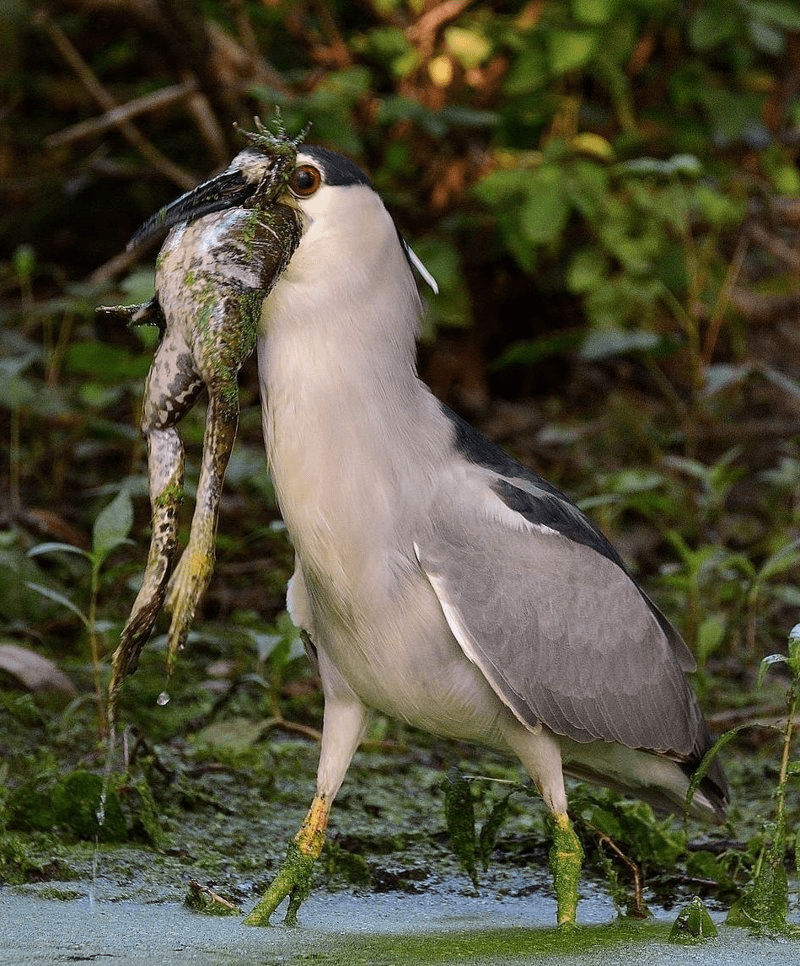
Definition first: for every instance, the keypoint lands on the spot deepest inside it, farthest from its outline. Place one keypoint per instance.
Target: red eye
(304, 181)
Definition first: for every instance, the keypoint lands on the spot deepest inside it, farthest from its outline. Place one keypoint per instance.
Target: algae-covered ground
(352, 930)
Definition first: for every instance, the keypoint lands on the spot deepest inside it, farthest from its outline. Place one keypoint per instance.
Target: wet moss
(497, 945)
(60, 895)
(349, 867)
(172, 495)
(71, 805)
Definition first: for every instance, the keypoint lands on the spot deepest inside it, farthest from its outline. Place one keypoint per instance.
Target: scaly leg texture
(294, 876)
(566, 856)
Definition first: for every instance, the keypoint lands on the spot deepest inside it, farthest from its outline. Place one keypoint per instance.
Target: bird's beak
(227, 190)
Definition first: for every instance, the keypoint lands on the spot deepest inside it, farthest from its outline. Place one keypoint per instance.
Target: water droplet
(162, 699)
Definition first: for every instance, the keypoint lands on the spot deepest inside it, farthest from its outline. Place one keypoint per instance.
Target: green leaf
(766, 38)
(588, 187)
(723, 375)
(587, 268)
(53, 547)
(710, 26)
(452, 305)
(788, 385)
(708, 759)
(468, 47)
(602, 343)
(459, 115)
(719, 210)
(112, 526)
(546, 208)
(786, 558)
(264, 643)
(594, 12)
(766, 663)
(693, 924)
(389, 46)
(24, 259)
(59, 598)
(710, 635)
(687, 165)
(794, 653)
(501, 188)
(780, 14)
(100, 397)
(139, 285)
(570, 49)
(528, 73)
(16, 392)
(527, 351)
(730, 112)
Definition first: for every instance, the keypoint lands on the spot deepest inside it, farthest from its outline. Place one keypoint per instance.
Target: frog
(229, 240)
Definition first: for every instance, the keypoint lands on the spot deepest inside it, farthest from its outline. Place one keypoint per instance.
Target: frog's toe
(186, 587)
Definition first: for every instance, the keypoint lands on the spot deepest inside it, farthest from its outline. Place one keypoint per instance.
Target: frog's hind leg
(171, 390)
(193, 571)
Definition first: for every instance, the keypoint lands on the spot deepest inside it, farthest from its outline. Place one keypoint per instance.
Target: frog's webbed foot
(149, 313)
(187, 585)
(294, 876)
(194, 569)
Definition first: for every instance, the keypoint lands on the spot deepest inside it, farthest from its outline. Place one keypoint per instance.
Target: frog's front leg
(171, 389)
(196, 565)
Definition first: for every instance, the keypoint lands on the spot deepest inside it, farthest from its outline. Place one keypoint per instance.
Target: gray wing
(540, 601)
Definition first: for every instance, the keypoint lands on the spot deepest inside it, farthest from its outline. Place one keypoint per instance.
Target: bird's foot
(566, 857)
(293, 880)
(294, 876)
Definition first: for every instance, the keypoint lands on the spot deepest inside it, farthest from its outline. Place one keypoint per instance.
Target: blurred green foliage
(587, 180)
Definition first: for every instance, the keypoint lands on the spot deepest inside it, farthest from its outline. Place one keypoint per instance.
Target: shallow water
(437, 927)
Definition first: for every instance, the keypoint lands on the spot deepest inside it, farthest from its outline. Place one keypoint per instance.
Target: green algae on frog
(230, 240)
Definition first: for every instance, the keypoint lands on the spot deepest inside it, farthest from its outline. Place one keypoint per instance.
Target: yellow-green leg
(294, 876)
(566, 856)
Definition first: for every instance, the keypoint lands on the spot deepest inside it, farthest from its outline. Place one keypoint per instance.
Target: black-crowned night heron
(437, 580)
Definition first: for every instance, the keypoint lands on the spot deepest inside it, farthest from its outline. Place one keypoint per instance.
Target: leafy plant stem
(56, 358)
(788, 733)
(764, 906)
(715, 322)
(689, 326)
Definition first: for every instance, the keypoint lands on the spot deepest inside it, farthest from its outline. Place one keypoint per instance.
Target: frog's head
(331, 195)
(255, 177)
